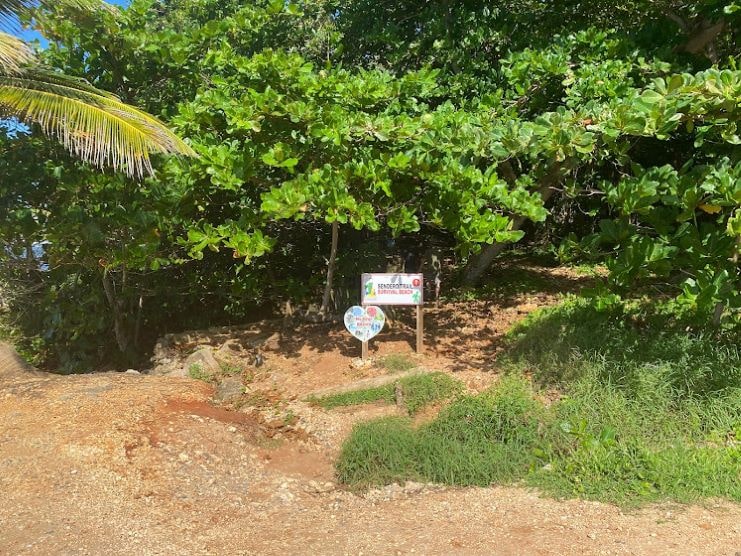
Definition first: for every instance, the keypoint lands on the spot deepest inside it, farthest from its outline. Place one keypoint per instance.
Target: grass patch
(396, 363)
(227, 369)
(418, 391)
(649, 411)
(195, 371)
(476, 440)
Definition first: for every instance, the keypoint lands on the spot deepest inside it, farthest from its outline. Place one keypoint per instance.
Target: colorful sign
(391, 289)
(364, 322)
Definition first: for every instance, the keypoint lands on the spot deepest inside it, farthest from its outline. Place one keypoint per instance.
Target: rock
(412, 487)
(286, 496)
(359, 363)
(132, 372)
(230, 348)
(229, 389)
(204, 358)
(272, 343)
(315, 487)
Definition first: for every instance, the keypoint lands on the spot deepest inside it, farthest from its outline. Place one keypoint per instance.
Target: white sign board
(391, 289)
(364, 322)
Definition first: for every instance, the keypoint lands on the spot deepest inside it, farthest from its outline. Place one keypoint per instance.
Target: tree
(94, 125)
(319, 141)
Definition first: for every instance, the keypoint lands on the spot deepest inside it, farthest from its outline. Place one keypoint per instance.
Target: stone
(272, 342)
(204, 358)
(229, 389)
(230, 348)
(132, 372)
(359, 363)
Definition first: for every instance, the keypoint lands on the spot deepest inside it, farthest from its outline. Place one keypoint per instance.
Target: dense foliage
(612, 133)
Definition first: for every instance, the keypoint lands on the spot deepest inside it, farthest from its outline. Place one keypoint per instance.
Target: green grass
(418, 392)
(229, 370)
(195, 371)
(396, 363)
(648, 410)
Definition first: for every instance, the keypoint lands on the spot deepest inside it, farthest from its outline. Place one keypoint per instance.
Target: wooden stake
(420, 330)
(364, 351)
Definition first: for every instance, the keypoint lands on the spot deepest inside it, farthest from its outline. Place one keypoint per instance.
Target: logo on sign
(364, 322)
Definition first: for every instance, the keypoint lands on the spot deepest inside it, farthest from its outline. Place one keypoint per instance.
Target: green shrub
(651, 413)
(476, 440)
(379, 453)
(628, 345)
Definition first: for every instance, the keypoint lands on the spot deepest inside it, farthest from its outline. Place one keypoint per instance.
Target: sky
(33, 35)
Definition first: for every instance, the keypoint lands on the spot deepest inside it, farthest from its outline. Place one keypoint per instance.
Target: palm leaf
(95, 125)
(10, 9)
(92, 124)
(14, 53)
(14, 7)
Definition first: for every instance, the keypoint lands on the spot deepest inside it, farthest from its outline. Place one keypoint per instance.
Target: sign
(364, 322)
(391, 289)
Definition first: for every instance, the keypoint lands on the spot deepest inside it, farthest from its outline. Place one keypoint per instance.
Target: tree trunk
(703, 39)
(119, 328)
(481, 263)
(138, 325)
(330, 269)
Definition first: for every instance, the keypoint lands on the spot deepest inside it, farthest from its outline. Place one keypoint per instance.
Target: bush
(476, 440)
(651, 413)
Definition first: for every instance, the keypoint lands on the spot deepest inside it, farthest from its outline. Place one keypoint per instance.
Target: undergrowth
(396, 363)
(648, 409)
(196, 372)
(417, 390)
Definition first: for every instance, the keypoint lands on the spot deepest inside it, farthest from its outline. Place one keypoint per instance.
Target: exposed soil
(125, 463)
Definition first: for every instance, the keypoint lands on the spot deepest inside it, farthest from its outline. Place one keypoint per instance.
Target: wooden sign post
(394, 289)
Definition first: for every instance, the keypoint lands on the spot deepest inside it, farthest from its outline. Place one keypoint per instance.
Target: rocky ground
(152, 464)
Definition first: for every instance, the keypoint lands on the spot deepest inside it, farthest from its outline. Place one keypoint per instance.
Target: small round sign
(364, 322)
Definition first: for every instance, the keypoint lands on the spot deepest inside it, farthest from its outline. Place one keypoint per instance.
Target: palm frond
(10, 9)
(14, 53)
(13, 7)
(16, 6)
(92, 124)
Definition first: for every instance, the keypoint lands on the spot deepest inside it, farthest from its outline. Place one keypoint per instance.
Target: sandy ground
(112, 464)
(118, 463)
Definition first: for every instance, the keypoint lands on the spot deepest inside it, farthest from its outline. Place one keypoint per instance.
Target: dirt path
(126, 463)
(116, 463)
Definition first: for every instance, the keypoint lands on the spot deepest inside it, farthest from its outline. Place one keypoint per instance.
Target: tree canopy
(613, 133)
